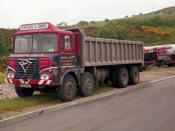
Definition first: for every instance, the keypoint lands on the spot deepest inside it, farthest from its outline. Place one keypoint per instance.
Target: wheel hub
(69, 88)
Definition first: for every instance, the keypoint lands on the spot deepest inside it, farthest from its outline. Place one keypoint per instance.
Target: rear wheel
(86, 84)
(134, 75)
(120, 78)
(68, 89)
(24, 92)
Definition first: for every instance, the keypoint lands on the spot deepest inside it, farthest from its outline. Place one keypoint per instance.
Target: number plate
(25, 85)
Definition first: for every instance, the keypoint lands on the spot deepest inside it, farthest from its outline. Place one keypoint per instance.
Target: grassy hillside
(153, 28)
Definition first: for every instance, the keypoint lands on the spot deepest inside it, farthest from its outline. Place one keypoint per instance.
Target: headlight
(10, 75)
(44, 77)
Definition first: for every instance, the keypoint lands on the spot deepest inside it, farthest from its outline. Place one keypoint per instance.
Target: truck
(45, 58)
(160, 55)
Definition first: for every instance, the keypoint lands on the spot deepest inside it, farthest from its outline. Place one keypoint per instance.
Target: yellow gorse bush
(155, 30)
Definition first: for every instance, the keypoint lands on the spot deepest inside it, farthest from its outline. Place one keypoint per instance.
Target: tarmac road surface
(145, 109)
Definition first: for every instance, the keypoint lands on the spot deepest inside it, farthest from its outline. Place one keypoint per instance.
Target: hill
(167, 13)
(154, 28)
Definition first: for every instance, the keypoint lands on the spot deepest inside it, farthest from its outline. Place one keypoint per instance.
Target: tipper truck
(159, 55)
(47, 58)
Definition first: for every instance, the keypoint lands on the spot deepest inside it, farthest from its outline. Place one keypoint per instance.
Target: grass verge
(17, 104)
(102, 88)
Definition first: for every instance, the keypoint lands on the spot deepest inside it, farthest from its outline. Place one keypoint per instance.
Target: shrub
(3, 63)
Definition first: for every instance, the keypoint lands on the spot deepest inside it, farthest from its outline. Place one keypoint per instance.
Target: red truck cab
(159, 55)
(41, 54)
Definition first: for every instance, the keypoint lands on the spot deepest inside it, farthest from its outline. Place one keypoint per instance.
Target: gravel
(7, 91)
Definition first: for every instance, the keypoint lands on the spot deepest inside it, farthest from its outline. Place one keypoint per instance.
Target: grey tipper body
(100, 51)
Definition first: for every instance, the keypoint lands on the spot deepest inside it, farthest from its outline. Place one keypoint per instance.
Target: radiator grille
(31, 71)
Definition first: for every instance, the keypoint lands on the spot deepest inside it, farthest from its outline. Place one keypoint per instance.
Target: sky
(13, 13)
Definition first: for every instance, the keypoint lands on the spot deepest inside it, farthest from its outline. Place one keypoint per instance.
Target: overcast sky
(16, 12)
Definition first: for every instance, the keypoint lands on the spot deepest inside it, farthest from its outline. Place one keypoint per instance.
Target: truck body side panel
(100, 52)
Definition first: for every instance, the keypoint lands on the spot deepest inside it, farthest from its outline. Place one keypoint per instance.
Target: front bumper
(29, 81)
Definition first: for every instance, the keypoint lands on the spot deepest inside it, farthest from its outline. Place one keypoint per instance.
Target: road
(150, 108)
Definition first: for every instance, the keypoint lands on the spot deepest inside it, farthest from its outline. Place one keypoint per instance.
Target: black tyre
(86, 84)
(24, 92)
(134, 75)
(120, 78)
(68, 89)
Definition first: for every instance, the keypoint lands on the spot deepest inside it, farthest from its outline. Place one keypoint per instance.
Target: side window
(66, 43)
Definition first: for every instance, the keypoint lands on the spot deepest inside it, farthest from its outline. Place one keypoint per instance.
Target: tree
(3, 49)
(6, 36)
(107, 20)
(62, 24)
(82, 23)
(93, 22)
(140, 13)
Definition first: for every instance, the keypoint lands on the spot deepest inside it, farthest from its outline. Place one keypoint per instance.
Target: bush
(2, 44)
(82, 23)
(3, 63)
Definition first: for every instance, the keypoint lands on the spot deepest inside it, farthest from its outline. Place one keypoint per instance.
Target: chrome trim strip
(11, 68)
(50, 68)
(67, 66)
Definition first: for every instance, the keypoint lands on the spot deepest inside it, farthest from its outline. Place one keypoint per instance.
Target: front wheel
(23, 92)
(68, 89)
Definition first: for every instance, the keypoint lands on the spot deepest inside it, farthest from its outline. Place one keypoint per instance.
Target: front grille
(31, 71)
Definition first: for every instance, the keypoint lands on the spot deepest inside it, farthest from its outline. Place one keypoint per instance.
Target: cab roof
(45, 27)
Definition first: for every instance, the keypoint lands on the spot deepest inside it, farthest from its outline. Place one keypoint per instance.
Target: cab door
(67, 51)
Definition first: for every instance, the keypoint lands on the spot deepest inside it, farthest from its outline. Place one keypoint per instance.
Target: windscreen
(39, 42)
